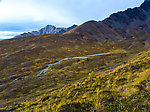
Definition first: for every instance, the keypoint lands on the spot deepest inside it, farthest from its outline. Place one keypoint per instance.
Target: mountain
(136, 19)
(94, 29)
(49, 29)
(65, 73)
(118, 26)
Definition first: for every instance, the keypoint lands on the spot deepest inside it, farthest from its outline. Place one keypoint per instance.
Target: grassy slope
(118, 89)
(28, 56)
(124, 88)
(63, 84)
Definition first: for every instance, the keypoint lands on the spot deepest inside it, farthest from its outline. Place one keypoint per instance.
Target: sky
(18, 16)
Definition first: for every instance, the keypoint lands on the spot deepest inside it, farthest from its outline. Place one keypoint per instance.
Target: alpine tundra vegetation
(98, 66)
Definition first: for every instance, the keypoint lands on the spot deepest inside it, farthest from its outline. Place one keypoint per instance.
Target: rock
(125, 63)
(122, 79)
(87, 59)
(69, 85)
(119, 70)
(52, 90)
(132, 67)
(78, 61)
(124, 68)
(45, 98)
(98, 86)
(34, 104)
(11, 109)
(19, 78)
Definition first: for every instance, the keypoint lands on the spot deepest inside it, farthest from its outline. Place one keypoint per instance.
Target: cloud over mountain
(29, 15)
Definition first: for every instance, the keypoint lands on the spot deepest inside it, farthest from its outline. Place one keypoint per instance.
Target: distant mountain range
(118, 26)
(49, 29)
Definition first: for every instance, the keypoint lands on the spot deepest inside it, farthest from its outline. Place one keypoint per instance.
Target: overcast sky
(18, 16)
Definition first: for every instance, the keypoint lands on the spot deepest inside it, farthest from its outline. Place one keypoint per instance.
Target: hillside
(123, 88)
(97, 66)
(20, 66)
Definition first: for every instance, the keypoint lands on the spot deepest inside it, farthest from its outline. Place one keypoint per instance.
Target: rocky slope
(136, 19)
(118, 26)
(49, 29)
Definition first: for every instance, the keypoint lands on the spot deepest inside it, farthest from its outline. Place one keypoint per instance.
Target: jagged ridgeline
(97, 66)
(49, 29)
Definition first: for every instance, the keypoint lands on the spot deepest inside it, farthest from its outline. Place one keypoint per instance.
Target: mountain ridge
(118, 26)
(49, 29)
(117, 82)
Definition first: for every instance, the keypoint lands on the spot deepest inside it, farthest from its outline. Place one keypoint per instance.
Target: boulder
(132, 67)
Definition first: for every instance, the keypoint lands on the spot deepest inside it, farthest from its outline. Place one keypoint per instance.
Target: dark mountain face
(131, 18)
(119, 25)
(146, 5)
(95, 30)
(49, 29)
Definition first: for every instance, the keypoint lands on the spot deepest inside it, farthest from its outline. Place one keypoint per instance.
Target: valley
(98, 66)
(28, 85)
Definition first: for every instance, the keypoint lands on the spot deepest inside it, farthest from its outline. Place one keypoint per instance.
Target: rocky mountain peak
(50, 26)
(49, 29)
(72, 27)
